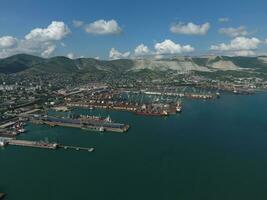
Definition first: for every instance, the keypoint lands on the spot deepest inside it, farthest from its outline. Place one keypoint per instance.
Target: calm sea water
(214, 150)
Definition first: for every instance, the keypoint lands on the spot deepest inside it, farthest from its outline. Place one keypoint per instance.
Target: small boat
(21, 130)
(178, 107)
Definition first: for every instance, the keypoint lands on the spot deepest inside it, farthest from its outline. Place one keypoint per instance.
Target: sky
(114, 29)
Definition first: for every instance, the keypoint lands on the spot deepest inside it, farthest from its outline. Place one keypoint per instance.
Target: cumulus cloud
(223, 19)
(77, 23)
(239, 43)
(141, 50)
(55, 31)
(240, 46)
(161, 49)
(115, 54)
(103, 27)
(234, 32)
(7, 42)
(190, 28)
(169, 47)
(40, 41)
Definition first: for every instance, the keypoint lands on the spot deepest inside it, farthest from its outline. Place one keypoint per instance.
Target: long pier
(76, 148)
(35, 144)
(41, 144)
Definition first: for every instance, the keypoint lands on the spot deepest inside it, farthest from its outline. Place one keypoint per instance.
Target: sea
(213, 150)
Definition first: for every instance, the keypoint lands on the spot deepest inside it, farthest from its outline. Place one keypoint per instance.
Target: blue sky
(243, 32)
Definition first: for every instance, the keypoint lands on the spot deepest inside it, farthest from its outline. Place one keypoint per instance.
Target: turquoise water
(214, 150)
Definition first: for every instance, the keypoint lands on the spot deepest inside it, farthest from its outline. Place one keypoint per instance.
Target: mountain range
(29, 63)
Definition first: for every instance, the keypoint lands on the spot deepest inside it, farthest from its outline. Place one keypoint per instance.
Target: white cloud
(55, 31)
(48, 51)
(39, 41)
(7, 42)
(103, 27)
(234, 32)
(169, 47)
(224, 19)
(239, 43)
(71, 56)
(190, 28)
(115, 54)
(141, 50)
(244, 53)
(77, 23)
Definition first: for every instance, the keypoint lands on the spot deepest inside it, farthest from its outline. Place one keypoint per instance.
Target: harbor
(178, 149)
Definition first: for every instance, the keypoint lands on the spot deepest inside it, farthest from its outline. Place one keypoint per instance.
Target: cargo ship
(152, 113)
(94, 118)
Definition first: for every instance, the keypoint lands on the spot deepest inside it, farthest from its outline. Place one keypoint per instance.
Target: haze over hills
(28, 63)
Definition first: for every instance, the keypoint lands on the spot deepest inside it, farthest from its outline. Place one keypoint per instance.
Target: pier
(41, 144)
(79, 123)
(76, 148)
(35, 144)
